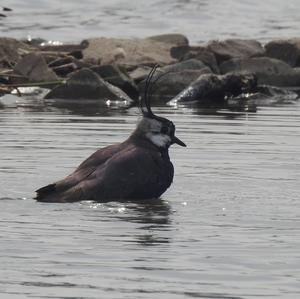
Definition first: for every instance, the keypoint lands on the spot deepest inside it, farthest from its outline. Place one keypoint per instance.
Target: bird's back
(131, 170)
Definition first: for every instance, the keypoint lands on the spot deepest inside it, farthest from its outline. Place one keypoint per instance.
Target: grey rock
(113, 75)
(200, 53)
(268, 70)
(211, 89)
(128, 53)
(190, 64)
(287, 50)
(140, 73)
(34, 67)
(171, 38)
(11, 51)
(235, 48)
(86, 84)
(172, 79)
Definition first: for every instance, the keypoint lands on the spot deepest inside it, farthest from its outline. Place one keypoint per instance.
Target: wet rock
(113, 75)
(200, 53)
(171, 38)
(287, 50)
(210, 89)
(268, 70)
(172, 79)
(86, 84)
(127, 53)
(34, 67)
(235, 48)
(11, 51)
(264, 95)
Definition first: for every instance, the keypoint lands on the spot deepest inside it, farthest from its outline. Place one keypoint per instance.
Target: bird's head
(159, 130)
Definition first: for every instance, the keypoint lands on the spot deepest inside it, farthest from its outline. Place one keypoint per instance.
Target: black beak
(177, 141)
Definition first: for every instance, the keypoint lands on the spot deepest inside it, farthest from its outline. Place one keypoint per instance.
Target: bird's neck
(143, 141)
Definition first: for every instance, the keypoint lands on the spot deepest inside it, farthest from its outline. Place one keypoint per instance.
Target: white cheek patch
(159, 140)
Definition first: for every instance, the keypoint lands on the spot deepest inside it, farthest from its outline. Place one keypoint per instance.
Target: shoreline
(115, 69)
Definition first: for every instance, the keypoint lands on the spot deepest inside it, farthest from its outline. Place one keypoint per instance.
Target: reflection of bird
(138, 168)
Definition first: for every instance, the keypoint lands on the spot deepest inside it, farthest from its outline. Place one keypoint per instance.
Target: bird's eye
(164, 130)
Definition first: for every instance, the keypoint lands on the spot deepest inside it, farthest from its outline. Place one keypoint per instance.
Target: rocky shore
(231, 72)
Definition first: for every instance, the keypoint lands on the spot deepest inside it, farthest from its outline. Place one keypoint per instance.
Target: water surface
(229, 225)
(227, 228)
(199, 20)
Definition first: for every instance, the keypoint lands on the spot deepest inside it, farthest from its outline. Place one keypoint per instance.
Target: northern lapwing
(137, 169)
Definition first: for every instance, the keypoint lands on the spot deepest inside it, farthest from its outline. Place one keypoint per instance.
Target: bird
(137, 169)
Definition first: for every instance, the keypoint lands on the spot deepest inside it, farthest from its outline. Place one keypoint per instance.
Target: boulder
(171, 38)
(235, 48)
(268, 70)
(200, 53)
(129, 53)
(287, 50)
(86, 84)
(170, 80)
(11, 51)
(211, 89)
(113, 75)
(34, 67)
(140, 73)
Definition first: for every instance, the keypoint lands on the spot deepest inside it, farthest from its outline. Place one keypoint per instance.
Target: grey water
(229, 226)
(199, 20)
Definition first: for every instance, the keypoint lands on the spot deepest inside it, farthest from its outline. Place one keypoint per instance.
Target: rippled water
(229, 225)
(227, 228)
(200, 20)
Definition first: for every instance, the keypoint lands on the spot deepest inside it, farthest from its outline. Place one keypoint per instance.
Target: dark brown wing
(133, 173)
(53, 191)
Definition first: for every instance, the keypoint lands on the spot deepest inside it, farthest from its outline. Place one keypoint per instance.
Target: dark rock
(11, 51)
(65, 69)
(264, 95)
(86, 84)
(170, 80)
(171, 38)
(128, 53)
(210, 89)
(76, 54)
(61, 61)
(268, 70)
(235, 48)
(178, 52)
(200, 53)
(113, 75)
(287, 50)
(34, 67)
